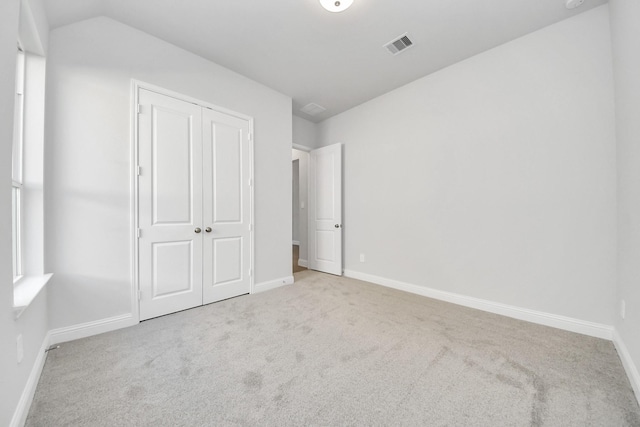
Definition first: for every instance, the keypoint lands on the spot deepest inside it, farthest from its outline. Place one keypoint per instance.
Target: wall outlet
(20, 348)
(361, 257)
(623, 308)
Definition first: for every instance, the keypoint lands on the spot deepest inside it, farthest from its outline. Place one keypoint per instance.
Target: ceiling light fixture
(336, 5)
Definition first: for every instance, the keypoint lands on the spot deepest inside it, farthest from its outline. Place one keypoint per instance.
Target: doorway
(299, 175)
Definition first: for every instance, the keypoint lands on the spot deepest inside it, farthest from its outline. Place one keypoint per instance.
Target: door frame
(136, 86)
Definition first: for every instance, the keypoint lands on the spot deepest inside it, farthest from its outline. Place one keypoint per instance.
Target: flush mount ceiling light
(336, 5)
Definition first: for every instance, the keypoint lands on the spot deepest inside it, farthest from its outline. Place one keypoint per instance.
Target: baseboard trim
(296, 243)
(88, 329)
(303, 262)
(547, 319)
(29, 391)
(627, 362)
(273, 284)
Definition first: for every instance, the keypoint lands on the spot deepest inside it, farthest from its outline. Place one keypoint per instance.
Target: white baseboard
(272, 284)
(88, 329)
(561, 322)
(296, 243)
(627, 362)
(303, 262)
(24, 404)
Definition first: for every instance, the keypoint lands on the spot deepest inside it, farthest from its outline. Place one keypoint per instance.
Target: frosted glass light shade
(336, 5)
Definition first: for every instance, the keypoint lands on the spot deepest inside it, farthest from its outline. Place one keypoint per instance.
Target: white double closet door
(194, 195)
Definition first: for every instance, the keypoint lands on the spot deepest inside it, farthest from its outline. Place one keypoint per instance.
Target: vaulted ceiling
(336, 60)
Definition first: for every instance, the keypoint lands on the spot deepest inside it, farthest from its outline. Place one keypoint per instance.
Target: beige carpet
(334, 351)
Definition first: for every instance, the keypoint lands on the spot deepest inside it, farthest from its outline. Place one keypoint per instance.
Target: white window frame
(27, 159)
(17, 167)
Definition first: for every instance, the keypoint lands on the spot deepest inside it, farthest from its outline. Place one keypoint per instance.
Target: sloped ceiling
(335, 60)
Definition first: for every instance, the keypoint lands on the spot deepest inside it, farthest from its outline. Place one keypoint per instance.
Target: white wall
(303, 186)
(493, 178)
(304, 133)
(32, 324)
(90, 68)
(35, 27)
(625, 31)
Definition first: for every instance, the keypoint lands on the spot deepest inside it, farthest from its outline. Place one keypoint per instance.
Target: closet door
(170, 204)
(227, 215)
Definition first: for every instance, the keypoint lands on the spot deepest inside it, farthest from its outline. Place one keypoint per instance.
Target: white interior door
(227, 217)
(170, 204)
(194, 205)
(325, 209)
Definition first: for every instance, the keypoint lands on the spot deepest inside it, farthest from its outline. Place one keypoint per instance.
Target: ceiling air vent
(313, 109)
(399, 44)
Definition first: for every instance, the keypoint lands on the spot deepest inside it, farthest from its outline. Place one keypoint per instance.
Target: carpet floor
(334, 351)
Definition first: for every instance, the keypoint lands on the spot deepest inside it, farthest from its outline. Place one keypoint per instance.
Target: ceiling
(336, 60)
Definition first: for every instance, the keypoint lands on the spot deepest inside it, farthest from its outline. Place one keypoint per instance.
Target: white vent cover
(313, 109)
(399, 44)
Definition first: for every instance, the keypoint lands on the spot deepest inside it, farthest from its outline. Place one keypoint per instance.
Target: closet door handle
(208, 229)
(197, 230)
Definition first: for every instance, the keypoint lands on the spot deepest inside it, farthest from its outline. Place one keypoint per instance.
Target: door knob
(337, 226)
(197, 230)
(208, 229)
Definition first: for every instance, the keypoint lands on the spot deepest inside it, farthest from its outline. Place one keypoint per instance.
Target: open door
(325, 209)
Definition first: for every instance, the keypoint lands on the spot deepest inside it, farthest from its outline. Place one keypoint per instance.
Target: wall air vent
(312, 109)
(399, 44)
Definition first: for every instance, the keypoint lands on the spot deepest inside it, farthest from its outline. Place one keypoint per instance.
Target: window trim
(16, 231)
(17, 168)
(28, 158)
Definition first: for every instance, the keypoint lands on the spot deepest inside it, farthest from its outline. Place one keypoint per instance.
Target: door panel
(172, 166)
(325, 185)
(325, 209)
(170, 204)
(227, 260)
(226, 177)
(325, 242)
(172, 268)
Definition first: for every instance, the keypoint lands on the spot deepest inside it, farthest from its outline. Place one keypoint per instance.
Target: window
(27, 160)
(17, 165)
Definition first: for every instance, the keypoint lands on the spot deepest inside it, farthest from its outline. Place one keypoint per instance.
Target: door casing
(136, 86)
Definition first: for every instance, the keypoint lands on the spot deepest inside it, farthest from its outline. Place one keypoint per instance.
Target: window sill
(25, 291)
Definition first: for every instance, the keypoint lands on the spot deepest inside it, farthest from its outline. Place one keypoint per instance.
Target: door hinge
(139, 295)
(138, 108)
(250, 135)
(250, 272)
(139, 233)
(250, 227)
(139, 170)
(250, 182)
